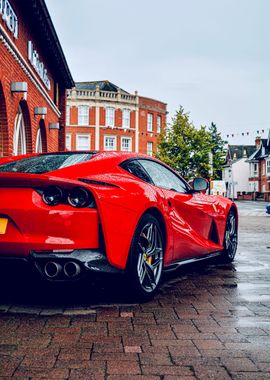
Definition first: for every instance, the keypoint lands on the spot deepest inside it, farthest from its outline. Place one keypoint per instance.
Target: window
(126, 144)
(68, 142)
(158, 124)
(110, 143)
(268, 167)
(68, 115)
(45, 163)
(255, 169)
(82, 142)
(150, 149)
(149, 122)
(38, 142)
(126, 118)
(135, 168)
(163, 177)
(83, 115)
(19, 139)
(110, 117)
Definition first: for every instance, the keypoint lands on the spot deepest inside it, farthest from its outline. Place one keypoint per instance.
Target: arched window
(19, 138)
(39, 142)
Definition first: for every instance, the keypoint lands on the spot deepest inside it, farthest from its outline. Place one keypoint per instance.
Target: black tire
(145, 263)
(230, 238)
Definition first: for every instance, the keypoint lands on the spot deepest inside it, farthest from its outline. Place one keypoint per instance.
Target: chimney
(258, 142)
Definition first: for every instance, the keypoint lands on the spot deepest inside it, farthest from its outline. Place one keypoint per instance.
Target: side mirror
(200, 184)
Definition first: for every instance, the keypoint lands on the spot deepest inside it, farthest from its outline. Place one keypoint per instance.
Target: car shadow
(17, 288)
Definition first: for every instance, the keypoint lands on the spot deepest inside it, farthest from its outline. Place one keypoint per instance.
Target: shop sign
(38, 65)
(9, 16)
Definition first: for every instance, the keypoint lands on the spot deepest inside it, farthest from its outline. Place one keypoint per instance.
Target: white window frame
(127, 147)
(107, 146)
(268, 167)
(126, 118)
(68, 143)
(78, 135)
(150, 148)
(255, 172)
(158, 123)
(38, 147)
(149, 122)
(19, 137)
(68, 115)
(83, 115)
(110, 117)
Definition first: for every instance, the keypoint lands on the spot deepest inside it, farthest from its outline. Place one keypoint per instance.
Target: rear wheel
(146, 258)
(230, 238)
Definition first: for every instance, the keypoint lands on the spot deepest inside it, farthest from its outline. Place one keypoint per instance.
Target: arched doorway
(41, 139)
(3, 125)
(22, 134)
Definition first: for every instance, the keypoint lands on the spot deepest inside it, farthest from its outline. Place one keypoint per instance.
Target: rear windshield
(45, 163)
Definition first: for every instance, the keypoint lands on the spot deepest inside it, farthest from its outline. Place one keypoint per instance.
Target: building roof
(262, 151)
(104, 85)
(236, 152)
(38, 12)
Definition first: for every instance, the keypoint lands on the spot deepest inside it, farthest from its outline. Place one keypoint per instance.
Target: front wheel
(146, 258)
(230, 238)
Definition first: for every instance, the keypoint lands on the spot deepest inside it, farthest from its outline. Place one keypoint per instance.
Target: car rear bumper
(69, 266)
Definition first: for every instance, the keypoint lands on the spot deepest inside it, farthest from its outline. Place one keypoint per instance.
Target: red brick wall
(102, 116)
(146, 105)
(10, 71)
(73, 115)
(156, 108)
(118, 117)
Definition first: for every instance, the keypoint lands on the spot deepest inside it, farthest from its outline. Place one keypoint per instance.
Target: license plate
(3, 225)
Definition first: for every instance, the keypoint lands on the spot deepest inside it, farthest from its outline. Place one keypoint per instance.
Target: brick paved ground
(207, 322)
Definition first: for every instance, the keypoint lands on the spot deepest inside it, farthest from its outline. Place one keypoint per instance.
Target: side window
(163, 177)
(135, 168)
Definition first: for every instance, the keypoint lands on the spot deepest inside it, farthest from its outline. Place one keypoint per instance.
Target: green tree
(217, 150)
(185, 148)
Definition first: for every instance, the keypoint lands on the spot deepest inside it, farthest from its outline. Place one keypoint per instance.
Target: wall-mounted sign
(9, 16)
(38, 65)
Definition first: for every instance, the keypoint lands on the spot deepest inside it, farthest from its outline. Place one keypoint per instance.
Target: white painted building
(236, 172)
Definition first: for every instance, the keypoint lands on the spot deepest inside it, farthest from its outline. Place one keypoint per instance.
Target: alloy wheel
(150, 257)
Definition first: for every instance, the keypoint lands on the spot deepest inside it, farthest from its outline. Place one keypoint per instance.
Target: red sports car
(72, 213)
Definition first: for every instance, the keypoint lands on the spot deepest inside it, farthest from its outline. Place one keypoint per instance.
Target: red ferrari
(69, 214)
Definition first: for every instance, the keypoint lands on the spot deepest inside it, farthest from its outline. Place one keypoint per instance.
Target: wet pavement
(209, 321)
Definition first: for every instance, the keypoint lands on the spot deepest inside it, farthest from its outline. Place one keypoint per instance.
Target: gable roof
(236, 152)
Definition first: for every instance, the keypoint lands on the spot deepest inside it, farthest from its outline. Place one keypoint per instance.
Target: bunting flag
(257, 132)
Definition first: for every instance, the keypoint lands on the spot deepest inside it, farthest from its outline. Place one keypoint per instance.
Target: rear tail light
(52, 196)
(77, 197)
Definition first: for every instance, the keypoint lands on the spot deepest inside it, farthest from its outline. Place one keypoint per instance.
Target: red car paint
(33, 225)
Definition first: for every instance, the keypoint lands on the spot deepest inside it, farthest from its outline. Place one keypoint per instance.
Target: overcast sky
(210, 56)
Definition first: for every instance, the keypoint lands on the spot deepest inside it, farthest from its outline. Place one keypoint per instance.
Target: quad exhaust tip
(72, 269)
(52, 269)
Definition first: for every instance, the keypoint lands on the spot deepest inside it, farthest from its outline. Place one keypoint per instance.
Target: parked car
(75, 213)
(268, 208)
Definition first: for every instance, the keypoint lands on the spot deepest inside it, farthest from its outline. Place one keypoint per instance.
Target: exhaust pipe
(52, 269)
(72, 269)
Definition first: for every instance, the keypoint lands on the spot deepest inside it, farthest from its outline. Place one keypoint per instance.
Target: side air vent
(99, 183)
(213, 235)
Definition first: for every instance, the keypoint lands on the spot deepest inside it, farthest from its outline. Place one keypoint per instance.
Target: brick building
(102, 116)
(259, 168)
(33, 79)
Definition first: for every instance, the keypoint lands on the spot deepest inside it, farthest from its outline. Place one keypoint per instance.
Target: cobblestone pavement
(208, 322)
